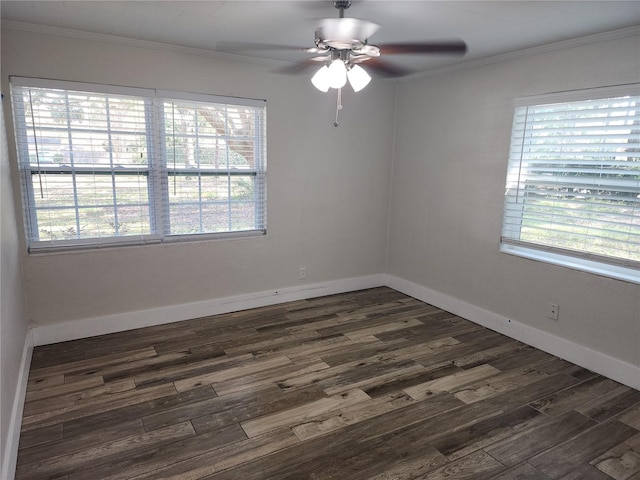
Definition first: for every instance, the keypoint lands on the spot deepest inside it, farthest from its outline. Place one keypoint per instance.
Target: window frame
(156, 170)
(625, 269)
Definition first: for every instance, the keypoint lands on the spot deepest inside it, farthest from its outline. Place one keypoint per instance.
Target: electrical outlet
(303, 273)
(553, 312)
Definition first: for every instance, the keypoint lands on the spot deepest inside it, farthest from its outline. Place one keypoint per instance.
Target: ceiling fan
(342, 46)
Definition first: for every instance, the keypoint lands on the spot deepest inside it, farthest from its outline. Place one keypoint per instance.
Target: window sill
(47, 248)
(625, 274)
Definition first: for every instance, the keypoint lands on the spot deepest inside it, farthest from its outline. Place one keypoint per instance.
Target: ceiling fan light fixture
(358, 78)
(337, 74)
(321, 79)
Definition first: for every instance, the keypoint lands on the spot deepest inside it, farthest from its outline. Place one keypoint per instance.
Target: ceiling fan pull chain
(338, 107)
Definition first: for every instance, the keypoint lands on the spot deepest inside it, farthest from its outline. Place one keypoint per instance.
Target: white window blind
(573, 181)
(215, 167)
(103, 165)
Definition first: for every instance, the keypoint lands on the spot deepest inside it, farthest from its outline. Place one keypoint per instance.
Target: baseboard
(8, 468)
(61, 332)
(586, 357)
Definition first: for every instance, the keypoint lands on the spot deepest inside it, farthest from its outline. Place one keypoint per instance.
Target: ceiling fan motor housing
(344, 33)
(342, 4)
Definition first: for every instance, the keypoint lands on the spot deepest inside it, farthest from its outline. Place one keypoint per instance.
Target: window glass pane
(215, 217)
(94, 190)
(57, 224)
(131, 189)
(185, 219)
(242, 216)
(99, 213)
(96, 222)
(84, 129)
(133, 219)
(242, 187)
(184, 188)
(215, 187)
(57, 190)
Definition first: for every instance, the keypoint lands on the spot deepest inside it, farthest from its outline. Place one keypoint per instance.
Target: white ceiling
(489, 28)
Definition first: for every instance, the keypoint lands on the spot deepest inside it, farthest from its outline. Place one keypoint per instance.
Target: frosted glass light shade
(358, 78)
(337, 74)
(321, 79)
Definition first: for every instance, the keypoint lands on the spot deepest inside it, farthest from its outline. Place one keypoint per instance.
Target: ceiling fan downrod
(342, 5)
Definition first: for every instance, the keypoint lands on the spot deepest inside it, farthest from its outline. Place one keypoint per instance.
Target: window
(573, 181)
(116, 165)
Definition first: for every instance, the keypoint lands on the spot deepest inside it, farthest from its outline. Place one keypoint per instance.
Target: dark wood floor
(364, 385)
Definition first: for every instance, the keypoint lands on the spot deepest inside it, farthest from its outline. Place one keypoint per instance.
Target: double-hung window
(573, 182)
(103, 165)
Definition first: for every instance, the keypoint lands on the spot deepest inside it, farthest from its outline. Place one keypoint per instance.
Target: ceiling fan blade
(451, 47)
(235, 47)
(299, 67)
(385, 69)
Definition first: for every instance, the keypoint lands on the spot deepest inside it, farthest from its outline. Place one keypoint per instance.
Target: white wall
(449, 171)
(328, 192)
(13, 321)
(327, 186)
(328, 199)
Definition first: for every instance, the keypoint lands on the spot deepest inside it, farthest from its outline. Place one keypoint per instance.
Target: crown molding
(529, 52)
(203, 52)
(134, 42)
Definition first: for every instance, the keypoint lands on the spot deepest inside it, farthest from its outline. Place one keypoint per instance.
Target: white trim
(209, 98)
(73, 330)
(53, 84)
(582, 94)
(10, 454)
(593, 360)
(137, 43)
(586, 357)
(619, 272)
(528, 52)
(504, 57)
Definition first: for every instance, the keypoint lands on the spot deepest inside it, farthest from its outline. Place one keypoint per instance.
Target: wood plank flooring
(367, 385)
